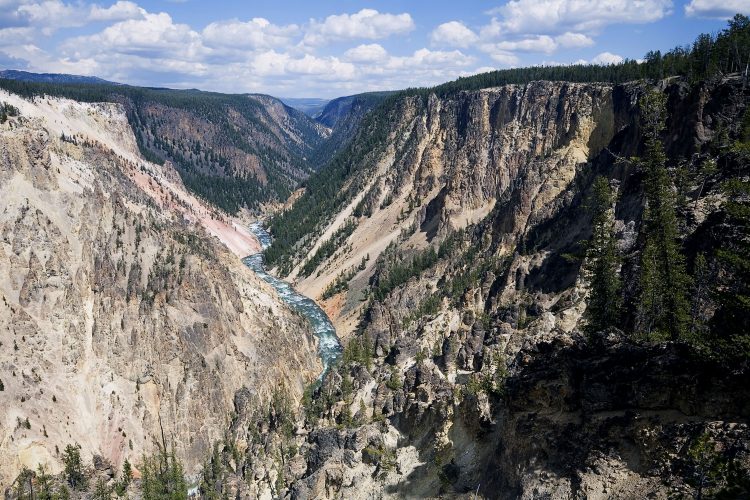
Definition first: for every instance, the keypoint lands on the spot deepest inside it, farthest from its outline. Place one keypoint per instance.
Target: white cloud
(481, 69)
(367, 64)
(365, 24)
(51, 15)
(607, 58)
(546, 26)
(453, 34)
(570, 40)
(39, 60)
(439, 58)
(119, 11)
(503, 56)
(17, 35)
(556, 16)
(541, 43)
(505, 51)
(722, 9)
(372, 52)
(49, 12)
(153, 36)
(328, 68)
(258, 33)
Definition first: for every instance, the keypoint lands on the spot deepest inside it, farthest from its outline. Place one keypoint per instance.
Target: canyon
(391, 300)
(452, 264)
(127, 314)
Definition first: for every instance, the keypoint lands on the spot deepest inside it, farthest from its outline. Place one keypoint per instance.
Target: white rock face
(450, 162)
(125, 311)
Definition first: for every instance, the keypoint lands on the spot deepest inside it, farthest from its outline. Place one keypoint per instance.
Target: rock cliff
(453, 262)
(449, 162)
(126, 319)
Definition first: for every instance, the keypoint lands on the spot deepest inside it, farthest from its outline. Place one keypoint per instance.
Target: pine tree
(603, 308)
(732, 320)
(663, 308)
(43, 482)
(102, 491)
(121, 486)
(24, 484)
(127, 472)
(700, 298)
(63, 493)
(74, 466)
(163, 477)
(148, 481)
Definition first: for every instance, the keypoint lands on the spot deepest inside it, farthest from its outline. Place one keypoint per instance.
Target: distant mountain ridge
(341, 107)
(311, 106)
(234, 150)
(343, 116)
(26, 76)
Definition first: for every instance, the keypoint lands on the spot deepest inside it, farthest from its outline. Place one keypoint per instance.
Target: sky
(329, 48)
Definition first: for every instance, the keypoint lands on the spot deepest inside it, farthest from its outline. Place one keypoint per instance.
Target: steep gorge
(237, 151)
(125, 318)
(448, 243)
(452, 260)
(449, 162)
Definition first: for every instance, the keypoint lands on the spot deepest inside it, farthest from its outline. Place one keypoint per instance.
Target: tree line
(709, 56)
(669, 299)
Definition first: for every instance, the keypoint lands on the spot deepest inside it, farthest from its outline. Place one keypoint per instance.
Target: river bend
(329, 346)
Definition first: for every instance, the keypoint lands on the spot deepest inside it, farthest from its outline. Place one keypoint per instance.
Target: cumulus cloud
(570, 40)
(51, 15)
(541, 43)
(453, 34)
(258, 33)
(721, 9)
(546, 26)
(365, 63)
(438, 58)
(505, 52)
(557, 16)
(365, 24)
(372, 52)
(481, 69)
(501, 56)
(607, 58)
(39, 60)
(154, 39)
(117, 12)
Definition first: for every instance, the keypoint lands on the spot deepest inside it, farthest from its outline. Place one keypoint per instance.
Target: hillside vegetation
(233, 150)
(709, 56)
(544, 285)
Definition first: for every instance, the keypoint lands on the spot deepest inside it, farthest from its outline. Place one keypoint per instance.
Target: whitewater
(329, 346)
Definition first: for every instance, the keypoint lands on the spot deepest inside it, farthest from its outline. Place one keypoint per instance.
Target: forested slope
(544, 285)
(708, 57)
(233, 150)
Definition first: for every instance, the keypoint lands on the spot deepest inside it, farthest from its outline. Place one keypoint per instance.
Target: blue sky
(336, 47)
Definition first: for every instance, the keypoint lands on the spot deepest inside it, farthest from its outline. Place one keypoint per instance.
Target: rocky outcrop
(123, 321)
(237, 151)
(450, 161)
(468, 311)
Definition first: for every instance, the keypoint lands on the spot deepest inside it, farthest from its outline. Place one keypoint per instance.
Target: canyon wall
(127, 316)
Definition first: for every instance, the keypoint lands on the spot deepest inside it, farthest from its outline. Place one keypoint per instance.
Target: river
(329, 346)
